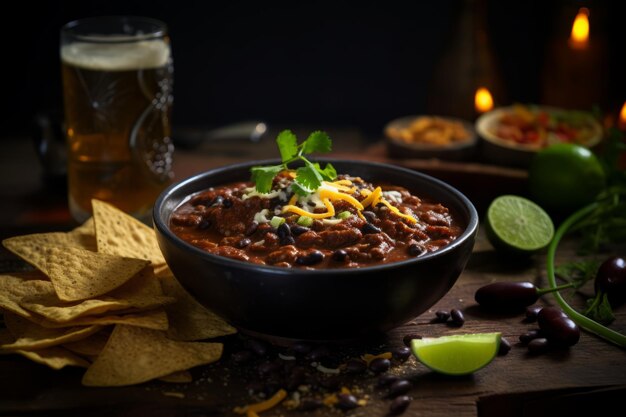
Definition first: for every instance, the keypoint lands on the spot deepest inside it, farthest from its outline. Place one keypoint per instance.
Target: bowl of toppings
(326, 250)
(512, 135)
(430, 137)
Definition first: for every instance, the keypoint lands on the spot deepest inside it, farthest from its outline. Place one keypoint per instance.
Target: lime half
(457, 354)
(518, 225)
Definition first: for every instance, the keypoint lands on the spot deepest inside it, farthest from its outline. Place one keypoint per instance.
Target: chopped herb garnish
(308, 177)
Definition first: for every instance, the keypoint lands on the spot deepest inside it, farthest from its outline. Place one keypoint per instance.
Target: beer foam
(117, 56)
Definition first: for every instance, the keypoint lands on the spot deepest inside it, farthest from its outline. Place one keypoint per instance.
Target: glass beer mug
(117, 89)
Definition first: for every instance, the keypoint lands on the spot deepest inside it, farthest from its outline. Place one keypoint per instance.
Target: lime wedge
(457, 354)
(517, 225)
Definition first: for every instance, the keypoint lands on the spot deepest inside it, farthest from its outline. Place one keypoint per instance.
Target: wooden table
(592, 373)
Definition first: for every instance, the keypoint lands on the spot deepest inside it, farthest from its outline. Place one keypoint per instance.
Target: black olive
(611, 280)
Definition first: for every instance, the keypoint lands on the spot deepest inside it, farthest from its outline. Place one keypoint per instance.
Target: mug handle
(49, 140)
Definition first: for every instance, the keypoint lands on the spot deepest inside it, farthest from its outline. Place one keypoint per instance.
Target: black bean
(559, 329)
(318, 353)
(407, 338)
(369, 228)
(457, 317)
(401, 353)
(310, 404)
(228, 203)
(399, 387)
(442, 316)
(217, 201)
(297, 230)
(611, 280)
(287, 240)
(255, 387)
(331, 383)
(399, 405)
(251, 228)
(505, 347)
(242, 356)
(379, 365)
(507, 296)
(347, 402)
(257, 346)
(370, 216)
(340, 255)
(531, 313)
(271, 387)
(302, 347)
(293, 381)
(385, 380)
(537, 346)
(283, 230)
(415, 249)
(204, 224)
(267, 368)
(355, 366)
(311, 258)
(243, 243)
(547, 314)
(530, 335)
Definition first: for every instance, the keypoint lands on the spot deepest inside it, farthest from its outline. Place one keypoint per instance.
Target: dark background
(316, 62)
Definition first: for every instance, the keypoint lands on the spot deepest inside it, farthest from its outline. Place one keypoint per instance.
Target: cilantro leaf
(317, 142)
(578, 272)
(287, 145)
(308, 177)
(328, 174)
(296, 188)
(599, 309)
(264, 176)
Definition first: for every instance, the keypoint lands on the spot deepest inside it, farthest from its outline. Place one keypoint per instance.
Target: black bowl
(293, 303)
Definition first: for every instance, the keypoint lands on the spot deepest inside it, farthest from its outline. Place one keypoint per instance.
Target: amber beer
(118, 98)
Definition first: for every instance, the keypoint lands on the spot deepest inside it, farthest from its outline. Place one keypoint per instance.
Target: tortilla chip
(15, 286)
(134, 355)
(55, 357)
(85, 234)
(180, 377)
(78, 274)
(152, 319)
(188, 319)
(35, 247)
(117, 233)
(141, 286)
(90, 346)
(30, 336)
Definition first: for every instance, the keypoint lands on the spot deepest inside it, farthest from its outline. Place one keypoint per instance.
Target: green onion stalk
(581, 320)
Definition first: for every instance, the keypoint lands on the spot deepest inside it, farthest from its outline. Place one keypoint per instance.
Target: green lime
(457, 354)
(564, 177)
(517, 225)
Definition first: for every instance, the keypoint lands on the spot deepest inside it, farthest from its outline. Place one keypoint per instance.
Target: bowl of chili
(354, 260)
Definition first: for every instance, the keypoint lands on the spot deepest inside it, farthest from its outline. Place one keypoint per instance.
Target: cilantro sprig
(308, 177)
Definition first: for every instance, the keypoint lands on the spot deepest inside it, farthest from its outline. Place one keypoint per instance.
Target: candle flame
(580, 28)
(622, 117)
(483, 101)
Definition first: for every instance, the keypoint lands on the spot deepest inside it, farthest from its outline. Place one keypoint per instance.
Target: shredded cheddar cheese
(341, 190)
(252, 410)
(368, 357)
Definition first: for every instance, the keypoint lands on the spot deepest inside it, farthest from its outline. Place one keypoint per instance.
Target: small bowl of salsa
(512, 135)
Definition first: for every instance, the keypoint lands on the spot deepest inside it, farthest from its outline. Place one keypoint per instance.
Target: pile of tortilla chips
(103, 298)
